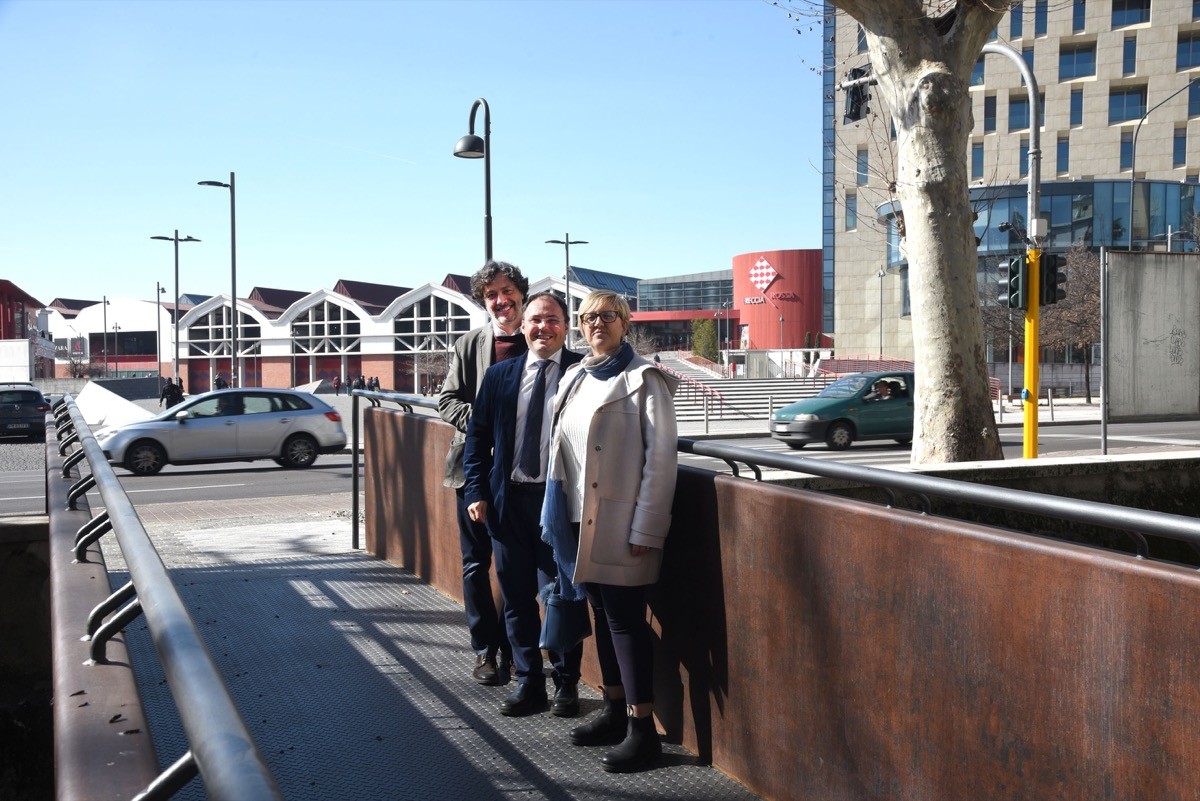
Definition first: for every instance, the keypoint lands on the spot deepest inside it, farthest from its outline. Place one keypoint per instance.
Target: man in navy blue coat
(505, 468)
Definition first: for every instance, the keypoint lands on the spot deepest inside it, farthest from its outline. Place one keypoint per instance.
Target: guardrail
(1135, 522)
(221, 751)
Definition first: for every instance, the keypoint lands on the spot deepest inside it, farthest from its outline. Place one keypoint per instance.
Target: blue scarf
(555, 521)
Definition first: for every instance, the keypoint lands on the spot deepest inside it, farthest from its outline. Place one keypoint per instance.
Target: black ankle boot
(607, 728)
(640, 748)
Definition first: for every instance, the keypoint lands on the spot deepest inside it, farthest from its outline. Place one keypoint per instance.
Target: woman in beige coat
(614, 449)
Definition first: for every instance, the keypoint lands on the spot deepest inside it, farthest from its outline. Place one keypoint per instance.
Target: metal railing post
(354, 470)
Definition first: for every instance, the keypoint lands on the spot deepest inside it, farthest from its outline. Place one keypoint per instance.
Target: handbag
(566, 623)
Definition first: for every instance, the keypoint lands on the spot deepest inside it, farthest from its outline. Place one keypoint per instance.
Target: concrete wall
(1153, 364)
(816, 646)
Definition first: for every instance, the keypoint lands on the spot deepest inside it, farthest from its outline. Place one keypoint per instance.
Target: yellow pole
(1029, 395)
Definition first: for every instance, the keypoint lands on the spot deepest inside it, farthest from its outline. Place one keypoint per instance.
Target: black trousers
(483, 621)
(524, 564)
(624, 646)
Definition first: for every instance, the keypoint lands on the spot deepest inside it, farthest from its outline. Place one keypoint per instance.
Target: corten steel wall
(795, 295)
(1154, 352)
(874, 653)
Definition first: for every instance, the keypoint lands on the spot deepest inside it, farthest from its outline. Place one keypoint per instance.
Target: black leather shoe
(640, 747)
(566, 700)
(527, 699)
(485, 671)
(606, 728)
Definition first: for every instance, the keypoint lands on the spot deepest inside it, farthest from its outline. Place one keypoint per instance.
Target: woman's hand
(638, 550)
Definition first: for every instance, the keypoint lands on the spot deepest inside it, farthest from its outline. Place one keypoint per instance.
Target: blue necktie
(530, 459)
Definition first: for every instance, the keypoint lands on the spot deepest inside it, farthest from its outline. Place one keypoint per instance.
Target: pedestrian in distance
(614, 449)
(504, 465)
(337, 385)
(500, 288)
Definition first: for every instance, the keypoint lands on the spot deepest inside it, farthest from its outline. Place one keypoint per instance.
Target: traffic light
(857, 96)
(1052, 281)
(1014, 283)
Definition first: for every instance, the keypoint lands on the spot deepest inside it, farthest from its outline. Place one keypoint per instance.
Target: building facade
(1120, 118)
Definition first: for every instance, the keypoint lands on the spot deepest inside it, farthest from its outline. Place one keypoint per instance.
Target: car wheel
(299, 450)
(839, 436)
(796, 445)
(145, 458)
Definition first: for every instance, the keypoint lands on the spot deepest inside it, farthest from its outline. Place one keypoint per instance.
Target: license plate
(11, 426)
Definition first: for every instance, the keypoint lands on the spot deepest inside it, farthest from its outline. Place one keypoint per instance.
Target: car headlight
(808, 418)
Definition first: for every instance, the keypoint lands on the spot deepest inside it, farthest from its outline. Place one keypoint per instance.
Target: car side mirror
(182, 417)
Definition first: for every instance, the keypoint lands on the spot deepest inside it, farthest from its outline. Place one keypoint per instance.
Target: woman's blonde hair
(605, 299)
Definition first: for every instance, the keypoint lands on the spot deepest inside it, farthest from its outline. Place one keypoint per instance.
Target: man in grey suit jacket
(501, 289)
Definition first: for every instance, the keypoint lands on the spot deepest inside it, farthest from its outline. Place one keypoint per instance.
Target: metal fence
(221, 752)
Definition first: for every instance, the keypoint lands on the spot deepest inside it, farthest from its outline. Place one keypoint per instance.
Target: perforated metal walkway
(353, 675)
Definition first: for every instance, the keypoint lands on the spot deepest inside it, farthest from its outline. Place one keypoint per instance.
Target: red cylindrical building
(777, 295)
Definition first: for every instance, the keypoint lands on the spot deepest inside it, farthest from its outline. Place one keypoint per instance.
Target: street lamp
(159, 289)
(104, 316)
(234, 380)
(472, 147)
(882, 272)
(1133, 151)
(176, 240)
(116, 350)
(566, 242)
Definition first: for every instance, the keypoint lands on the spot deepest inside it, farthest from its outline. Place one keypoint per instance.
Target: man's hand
(478, 511)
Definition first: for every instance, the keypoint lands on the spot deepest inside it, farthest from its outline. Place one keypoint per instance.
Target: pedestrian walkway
(353, 676)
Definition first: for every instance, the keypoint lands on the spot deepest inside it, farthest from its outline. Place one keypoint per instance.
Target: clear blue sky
(672, 135)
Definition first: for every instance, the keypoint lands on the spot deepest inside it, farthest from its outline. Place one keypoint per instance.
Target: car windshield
(846, 387)
(20, 396)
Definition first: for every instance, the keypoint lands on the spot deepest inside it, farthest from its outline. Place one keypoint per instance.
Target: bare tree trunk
(923, 64)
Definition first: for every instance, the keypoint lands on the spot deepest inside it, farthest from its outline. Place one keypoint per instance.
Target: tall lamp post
(104, 309)
(882, 272)
(159, 289)
(566, 242)
(116, 349)
(472, 147)
(1133, 151)
(176, 240)
(234, 373)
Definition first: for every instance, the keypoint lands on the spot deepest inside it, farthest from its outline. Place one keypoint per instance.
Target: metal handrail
(1161, 524)
(221, 748)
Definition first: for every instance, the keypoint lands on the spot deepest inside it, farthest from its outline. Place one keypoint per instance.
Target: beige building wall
(1094, 146)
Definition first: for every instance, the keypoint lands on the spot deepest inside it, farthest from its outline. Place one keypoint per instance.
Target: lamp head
(470, 147)
(213, 183)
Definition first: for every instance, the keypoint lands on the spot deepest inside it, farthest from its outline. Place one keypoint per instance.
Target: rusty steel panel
(102, 743)
(822, 647)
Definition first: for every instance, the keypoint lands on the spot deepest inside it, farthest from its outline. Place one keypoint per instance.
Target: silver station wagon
(229, 425)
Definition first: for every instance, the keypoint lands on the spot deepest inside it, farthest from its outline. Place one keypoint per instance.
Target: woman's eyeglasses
(608, 316)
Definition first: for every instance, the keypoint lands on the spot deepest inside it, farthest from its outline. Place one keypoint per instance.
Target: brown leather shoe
(485, 671)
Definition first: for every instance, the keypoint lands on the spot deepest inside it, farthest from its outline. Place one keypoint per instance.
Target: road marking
(181, 489)
(1125, 438)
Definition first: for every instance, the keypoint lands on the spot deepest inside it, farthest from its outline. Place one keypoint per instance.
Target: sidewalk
(353, 676)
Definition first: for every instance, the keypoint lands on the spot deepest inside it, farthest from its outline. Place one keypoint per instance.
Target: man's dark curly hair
(488, 273)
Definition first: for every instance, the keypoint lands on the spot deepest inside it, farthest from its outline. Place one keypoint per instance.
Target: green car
(859, 406)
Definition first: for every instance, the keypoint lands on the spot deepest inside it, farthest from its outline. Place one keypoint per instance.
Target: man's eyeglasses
(608, 316)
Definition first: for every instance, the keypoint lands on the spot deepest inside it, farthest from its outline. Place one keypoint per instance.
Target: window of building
(1127, 150)
(1018, 112)
(989, 114)
(1195, 9)
(1023, 157)
(1129, 56)
(1180, 147)
(1130, 12)
(1076, 107)
(1040, 13)
(861, 167)
(977, 73)
(1027, 54)
(1016, 20)
(1194, 100)
(862, 39)
(1064, 155)
(1077, 61)
(1187, 53)
(976, 160)
(995, 34)
(851, 211)
(1079, 16)
(1126, 103)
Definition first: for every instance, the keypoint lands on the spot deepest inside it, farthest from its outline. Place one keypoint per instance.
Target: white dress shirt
(528, 376)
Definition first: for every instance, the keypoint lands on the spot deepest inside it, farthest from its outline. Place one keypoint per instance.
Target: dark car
(856, 407)
(23, 411)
